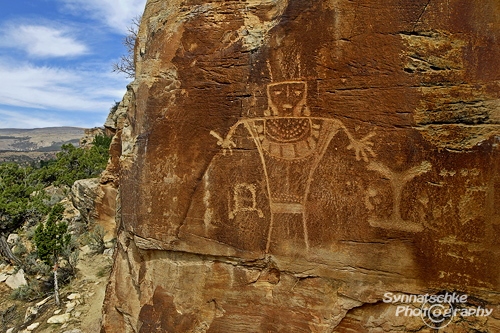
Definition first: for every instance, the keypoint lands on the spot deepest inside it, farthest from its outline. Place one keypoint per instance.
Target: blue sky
(56, 60)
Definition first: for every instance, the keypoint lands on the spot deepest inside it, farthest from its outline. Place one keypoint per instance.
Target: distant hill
(25, 145)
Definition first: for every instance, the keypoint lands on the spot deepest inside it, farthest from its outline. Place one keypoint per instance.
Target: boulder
(96, 203)
(12, 239)
(16, 280)
(32, 327)
(70, 306)
(105, 208)
(85, 250)
(59, 319)
(73, 296)
(4, 276)
(72, 216)
(286, 166)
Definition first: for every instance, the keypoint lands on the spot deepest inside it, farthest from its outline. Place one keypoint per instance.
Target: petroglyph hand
(226, 143)
(362, 148)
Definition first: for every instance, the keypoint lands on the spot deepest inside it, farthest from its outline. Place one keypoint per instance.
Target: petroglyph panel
(291, 145)
(315, 181)
(354, 144)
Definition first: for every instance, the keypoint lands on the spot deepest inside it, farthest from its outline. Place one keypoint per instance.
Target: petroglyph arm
(362, 148)
(402, 177)
(418, 170)
(226, 143)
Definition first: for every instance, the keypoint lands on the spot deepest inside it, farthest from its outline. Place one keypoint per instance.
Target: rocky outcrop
(89, 135)
(96, 197)
(96, 202)
(118, 126)
(307, 166)
(83, 196)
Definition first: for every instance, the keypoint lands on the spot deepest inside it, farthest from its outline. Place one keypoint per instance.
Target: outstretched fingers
(363, 148)
(226, 143)
(368, 137)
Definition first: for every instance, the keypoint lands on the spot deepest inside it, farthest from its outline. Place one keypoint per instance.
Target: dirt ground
(88, 289)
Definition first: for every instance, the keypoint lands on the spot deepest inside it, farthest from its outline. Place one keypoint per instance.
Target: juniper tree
(50, 239)
(21, 200)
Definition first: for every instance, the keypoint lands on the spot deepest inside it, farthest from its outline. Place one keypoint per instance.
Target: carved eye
(298, 92)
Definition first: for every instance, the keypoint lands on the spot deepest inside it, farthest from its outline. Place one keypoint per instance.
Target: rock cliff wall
(287, 166)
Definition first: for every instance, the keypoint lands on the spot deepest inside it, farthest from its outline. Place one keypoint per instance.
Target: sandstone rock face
(105, 206)
(289, 166)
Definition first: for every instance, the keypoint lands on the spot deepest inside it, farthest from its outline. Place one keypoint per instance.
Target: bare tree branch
(126, 64)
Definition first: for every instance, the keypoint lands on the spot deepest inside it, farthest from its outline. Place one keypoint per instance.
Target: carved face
(287, 98)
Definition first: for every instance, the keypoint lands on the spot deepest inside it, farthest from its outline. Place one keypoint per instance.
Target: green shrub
(33, 266)
(19, 249)
(95, 239)
(28, 292)
(105, 270)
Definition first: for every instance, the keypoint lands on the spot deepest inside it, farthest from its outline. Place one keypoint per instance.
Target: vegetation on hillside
(21, 195)
(24, 203)
(75, 163)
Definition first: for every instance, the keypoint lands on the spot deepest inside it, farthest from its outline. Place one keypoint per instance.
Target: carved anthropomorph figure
(291, 144)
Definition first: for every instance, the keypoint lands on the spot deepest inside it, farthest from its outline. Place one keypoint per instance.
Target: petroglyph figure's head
(287, 99)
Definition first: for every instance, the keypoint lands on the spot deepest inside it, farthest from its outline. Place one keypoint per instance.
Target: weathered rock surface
(96, 202)
(284, 165)
(83, 195)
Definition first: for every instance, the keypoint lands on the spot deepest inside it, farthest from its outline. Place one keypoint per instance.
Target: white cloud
(12, 119)
(60, 89)
(116, 14)
(42, 41)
